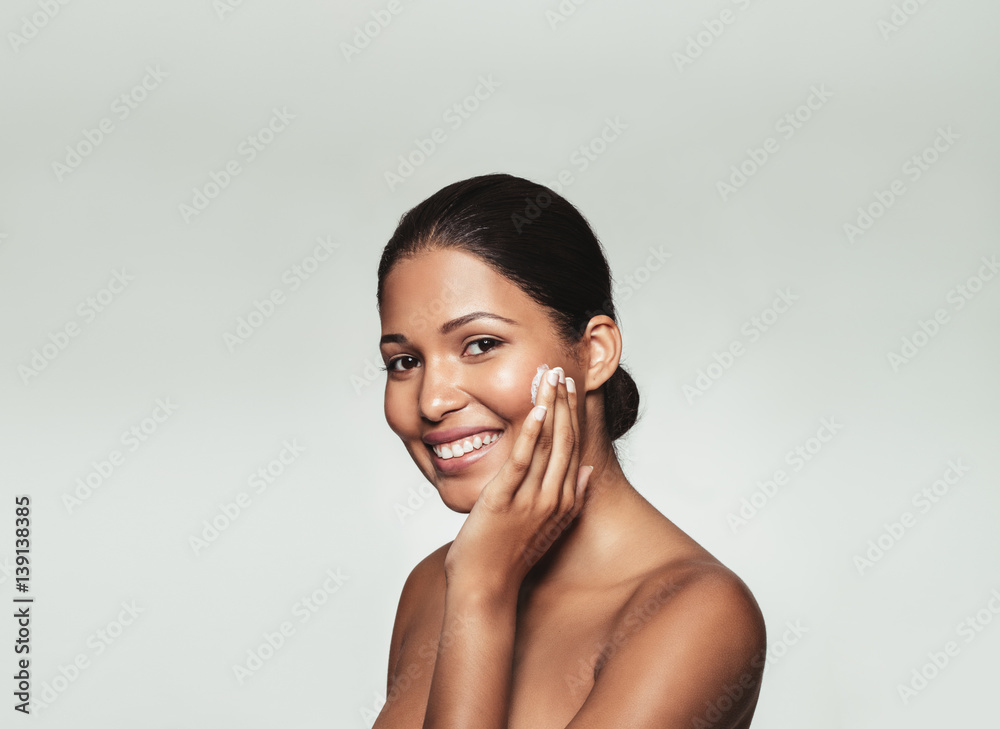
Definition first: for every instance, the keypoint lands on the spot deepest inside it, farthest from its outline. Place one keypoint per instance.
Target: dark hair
(536, 239)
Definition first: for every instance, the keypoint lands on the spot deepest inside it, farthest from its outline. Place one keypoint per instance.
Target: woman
(566, 600)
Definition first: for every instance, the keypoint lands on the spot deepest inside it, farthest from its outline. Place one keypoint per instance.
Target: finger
(559, 483)
(572, 395)
(582, 489)
(514, 471)
(543, 443)
(570, 487)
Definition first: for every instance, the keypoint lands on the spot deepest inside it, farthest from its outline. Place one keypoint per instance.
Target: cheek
(510, 392)
(397, 413)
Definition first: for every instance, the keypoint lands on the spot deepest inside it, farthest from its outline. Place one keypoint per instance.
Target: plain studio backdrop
(798, 202)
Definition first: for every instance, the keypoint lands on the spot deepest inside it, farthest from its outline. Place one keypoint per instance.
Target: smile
(452, 456)
(459, 448)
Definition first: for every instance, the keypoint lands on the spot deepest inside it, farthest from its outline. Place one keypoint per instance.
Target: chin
(460, 489)
(459, 499)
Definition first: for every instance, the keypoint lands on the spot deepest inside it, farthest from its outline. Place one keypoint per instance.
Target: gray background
(306, 373)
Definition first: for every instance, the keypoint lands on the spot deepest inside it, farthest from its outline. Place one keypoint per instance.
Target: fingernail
(570, 385)
(539, 412)
(553, 377)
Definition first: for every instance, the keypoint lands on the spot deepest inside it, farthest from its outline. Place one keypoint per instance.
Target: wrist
(478, 593)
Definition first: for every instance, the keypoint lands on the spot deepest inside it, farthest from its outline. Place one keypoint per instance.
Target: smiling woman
(566, 601)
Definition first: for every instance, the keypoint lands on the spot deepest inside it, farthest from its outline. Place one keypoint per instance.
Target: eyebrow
(449, 326)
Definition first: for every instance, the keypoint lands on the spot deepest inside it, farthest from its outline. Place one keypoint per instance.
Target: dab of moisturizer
(535, 382)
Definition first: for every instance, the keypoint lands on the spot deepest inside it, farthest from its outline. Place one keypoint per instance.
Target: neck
(590, 545)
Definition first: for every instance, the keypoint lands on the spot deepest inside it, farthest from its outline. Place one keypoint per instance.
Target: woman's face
(462, 345)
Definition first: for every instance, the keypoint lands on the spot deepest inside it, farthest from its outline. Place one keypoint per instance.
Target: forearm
(471, 683)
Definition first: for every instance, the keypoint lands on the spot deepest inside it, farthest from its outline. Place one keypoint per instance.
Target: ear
(602, 343)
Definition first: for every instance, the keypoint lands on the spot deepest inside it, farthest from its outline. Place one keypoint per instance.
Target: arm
(540, 485)
(471, 684)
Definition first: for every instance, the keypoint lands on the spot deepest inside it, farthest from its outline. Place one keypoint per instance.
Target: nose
(440, 390)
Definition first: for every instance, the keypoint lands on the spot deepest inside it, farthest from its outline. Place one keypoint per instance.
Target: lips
(457, 462)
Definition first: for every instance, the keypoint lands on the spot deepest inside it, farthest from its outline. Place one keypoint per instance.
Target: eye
(492, 343)
(391, 364)
(479, 341)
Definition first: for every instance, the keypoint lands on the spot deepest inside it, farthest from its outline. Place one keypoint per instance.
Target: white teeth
(460, 448)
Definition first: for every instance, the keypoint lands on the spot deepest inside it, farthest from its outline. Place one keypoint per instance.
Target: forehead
(439, 284)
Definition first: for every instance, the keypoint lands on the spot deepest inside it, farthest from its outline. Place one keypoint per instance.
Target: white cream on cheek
(537, 381)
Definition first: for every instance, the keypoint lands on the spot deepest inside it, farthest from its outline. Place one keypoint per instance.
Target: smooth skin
(566, 601)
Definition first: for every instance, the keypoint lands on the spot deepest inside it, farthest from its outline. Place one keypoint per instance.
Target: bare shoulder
(693, 597)
(421, 598)
(692, 631)
(412, 649)
(697, 593)
(427, 573)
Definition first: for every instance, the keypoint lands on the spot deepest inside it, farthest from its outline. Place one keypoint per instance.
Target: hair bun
(621, 403)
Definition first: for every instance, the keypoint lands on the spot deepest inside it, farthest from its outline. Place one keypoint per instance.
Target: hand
(539, 490)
